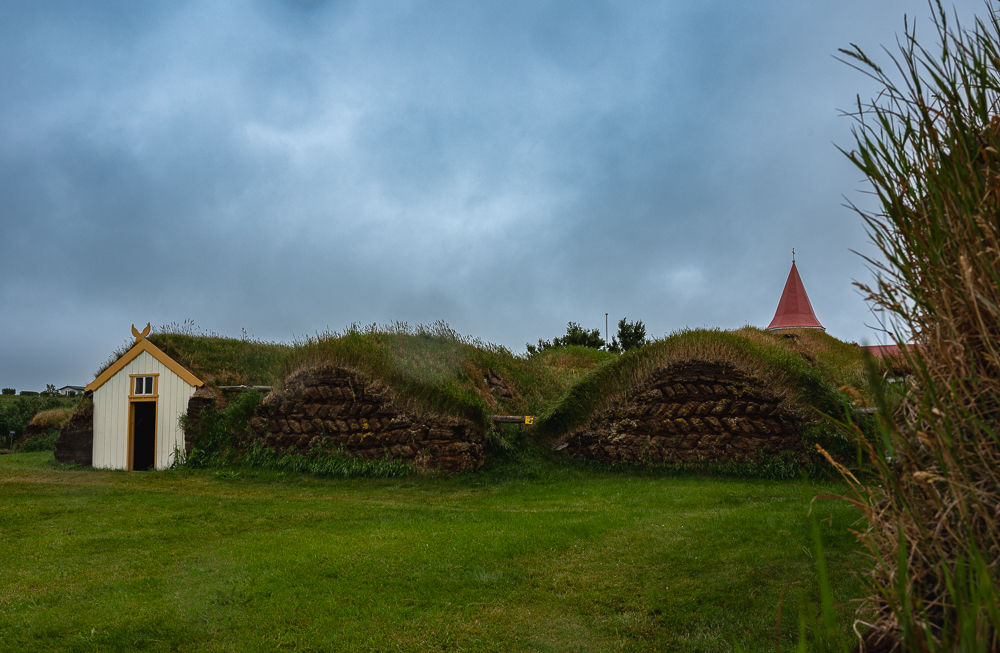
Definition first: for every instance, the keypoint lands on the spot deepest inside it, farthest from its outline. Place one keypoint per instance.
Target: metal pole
(605, 330)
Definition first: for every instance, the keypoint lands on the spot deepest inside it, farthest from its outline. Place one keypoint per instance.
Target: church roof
(794, 310)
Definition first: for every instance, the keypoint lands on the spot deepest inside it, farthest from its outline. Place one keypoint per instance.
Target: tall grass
(218, 360)
(52, 418)
(930, 147)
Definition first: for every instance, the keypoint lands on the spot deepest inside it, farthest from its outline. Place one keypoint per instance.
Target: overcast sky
(287, 167)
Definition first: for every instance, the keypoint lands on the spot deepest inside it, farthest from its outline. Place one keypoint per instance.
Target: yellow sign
(529, 419)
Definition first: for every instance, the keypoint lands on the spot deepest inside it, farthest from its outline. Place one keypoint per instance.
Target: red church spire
(794, 310)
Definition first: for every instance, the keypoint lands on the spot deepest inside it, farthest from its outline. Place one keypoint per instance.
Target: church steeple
(794, 310)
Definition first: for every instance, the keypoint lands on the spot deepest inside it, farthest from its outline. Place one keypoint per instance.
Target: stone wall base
(336, 409)
(691, 413)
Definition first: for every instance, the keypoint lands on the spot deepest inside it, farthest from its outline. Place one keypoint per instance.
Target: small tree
(630, 335)
(575, 335)
(15, 417)
(9, 391)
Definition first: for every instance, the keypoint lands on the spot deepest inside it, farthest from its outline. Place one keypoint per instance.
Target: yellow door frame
(138, 399)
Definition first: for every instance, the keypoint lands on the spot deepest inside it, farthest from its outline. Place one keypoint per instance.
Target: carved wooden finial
(140, 336)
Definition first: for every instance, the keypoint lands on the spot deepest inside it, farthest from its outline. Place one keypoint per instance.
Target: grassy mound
(803, 368)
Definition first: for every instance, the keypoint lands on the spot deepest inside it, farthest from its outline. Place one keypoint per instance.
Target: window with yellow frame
(143, 386)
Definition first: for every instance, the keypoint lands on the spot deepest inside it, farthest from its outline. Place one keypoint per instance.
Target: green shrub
(15, 417)
(42, 442)
(223, 431)
(8, 391)
(630, 336)
(576, 336)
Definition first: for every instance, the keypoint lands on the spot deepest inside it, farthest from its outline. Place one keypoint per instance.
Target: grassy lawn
(570, 559)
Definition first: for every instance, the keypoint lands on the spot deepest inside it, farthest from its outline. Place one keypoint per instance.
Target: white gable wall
(111, 413)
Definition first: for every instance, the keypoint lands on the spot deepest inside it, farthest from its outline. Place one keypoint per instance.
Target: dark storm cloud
(286, 166)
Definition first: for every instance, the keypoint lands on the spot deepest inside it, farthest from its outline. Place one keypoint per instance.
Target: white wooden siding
(111, 414)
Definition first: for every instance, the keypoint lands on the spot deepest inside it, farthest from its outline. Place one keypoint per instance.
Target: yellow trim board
(155, 352)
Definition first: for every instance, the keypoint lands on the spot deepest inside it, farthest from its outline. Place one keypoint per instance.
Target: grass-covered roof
(803, 367)
(430, 368)
(433, 368)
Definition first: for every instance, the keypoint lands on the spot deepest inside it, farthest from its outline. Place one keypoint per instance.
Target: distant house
(66, 389)
(138, 402)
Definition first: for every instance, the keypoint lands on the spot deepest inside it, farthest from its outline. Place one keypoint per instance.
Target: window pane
(138, 385)
(149, 385)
